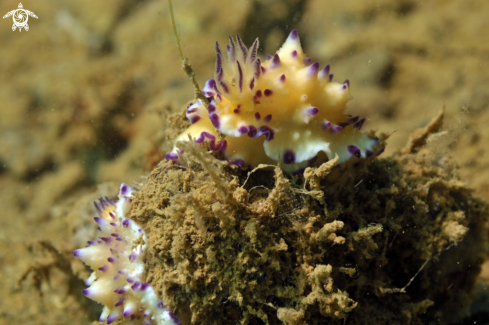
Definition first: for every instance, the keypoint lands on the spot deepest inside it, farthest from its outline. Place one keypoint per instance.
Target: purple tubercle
(124, 190)
(125, 223)
(242, 47)
(335, 129)
(282, 78)
(307, 61)
(91, 242)
(313, 69)
(293, 54)
(114, 235)
(237, 162)
(294, 35)
(324, 72)
(136, 285)
(267, 131)
(312, 111)
(128, 310)
(215, 120)
(358, 125)
(275, 61)
(326, 125)
(114, 224)
(160, 305)
(257, 116)
(254, 50)
(258, 93)
(111, 318)
(103, 268)
(268, 92)
(174, 318)
(171, 156)
(119, 302)
(194, 119)
(211, 108)
(107, 240)
(269, 56)
(205, 135)
(354, 150)
(231, 50)
(111, 260)
(130, 279)
(263, 70)
(209, 89)
(288, 157)
(344, 87)
(76, 253)
(144, 286)
(86, 292)
(240, 79)
(267, 118)
(252, 131)
(243, 129)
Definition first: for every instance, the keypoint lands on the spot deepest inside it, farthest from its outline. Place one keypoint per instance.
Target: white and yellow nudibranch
(284, 108)
(117, 260)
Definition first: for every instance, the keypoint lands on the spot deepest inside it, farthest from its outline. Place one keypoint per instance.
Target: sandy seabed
(87, 94)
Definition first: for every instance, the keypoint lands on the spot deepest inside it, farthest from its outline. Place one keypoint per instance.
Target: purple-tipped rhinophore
(240, 78)
(254, 50)
(231, 50)
(242, 47)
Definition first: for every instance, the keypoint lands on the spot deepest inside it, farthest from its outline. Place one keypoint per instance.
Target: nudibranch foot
(284, 108)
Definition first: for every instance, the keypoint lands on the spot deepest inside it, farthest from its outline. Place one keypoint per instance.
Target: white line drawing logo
(20, 17)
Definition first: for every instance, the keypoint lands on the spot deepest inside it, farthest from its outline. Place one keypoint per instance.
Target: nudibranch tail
(285, 108)
(117, 261)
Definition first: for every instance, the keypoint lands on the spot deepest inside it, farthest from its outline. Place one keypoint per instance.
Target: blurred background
(86, 93)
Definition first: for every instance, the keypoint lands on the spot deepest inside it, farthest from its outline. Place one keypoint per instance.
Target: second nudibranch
(282, 109)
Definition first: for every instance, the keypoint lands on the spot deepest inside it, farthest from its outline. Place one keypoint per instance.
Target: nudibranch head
(117, 260)
(282, 109)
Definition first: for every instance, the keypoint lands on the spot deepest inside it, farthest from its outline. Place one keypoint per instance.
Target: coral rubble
(378, 241)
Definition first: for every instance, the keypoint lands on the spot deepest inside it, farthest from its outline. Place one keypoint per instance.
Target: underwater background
(86, 94)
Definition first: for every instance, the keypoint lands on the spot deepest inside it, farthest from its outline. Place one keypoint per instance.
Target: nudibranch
(117, 260)
(282, 109)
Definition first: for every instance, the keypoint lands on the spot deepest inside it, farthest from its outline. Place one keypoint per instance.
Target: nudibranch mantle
(117, 260)
(282, 109)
